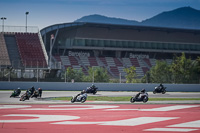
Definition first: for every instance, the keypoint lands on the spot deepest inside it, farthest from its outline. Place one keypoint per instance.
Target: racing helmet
(83, 91)
(143, 90)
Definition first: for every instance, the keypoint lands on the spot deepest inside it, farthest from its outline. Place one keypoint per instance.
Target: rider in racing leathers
(160, 87)
(82, 92)
(18, 91)
(141, 92)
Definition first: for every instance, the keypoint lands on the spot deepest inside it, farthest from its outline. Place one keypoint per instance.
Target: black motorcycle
(25, 96)
(15, 93)
(91, 90)
(36, 94)
(80, 98)
(159, 89)
(143, 98)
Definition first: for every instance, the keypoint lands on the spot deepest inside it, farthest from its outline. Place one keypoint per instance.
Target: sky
(43, 13)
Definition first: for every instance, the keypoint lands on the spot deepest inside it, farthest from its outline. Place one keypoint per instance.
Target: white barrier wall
(102, 86)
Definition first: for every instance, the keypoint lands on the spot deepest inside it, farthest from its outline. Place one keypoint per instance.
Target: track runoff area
(100, 118)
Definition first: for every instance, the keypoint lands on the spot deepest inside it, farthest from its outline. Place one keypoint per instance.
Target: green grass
(125, 98)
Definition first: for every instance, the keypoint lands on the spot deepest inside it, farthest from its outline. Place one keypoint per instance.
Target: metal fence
(7, 28)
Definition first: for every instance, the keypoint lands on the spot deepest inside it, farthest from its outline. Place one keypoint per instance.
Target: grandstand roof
(81, 35)
(135, 27)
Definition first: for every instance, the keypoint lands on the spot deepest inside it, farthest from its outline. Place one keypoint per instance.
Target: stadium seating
(147, 61)
(115, 66)
(145, 69)
(153, 62)
(73, 61)
(114, 71)
(127, 62)
(84, 61)
(30, 50)
(117, 62)
(103, 60)
(93, 61)
(121, 71)
(64, 60)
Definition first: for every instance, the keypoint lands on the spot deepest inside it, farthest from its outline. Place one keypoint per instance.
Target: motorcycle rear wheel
(145, 99)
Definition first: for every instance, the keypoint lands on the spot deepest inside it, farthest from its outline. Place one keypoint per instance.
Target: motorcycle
(25, 96)
(80, 98)
(15, 94)
(36, 94)
(91, 90)
(143, 98)
(158, 89)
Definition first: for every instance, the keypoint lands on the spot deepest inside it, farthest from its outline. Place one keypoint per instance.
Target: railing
(7, 28)
(43, 48)
(28, 64)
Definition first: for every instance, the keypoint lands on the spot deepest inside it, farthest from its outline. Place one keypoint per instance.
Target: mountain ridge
(184, 17)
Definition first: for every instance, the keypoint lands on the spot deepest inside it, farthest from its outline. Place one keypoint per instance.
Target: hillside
(184, 17)
(108, 20)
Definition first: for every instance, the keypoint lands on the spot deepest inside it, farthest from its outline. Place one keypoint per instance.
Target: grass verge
(124, 98)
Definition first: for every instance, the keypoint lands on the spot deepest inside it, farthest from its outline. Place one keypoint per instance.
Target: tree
(97, 74)
(160, 73)
(76, 75)
(196, 70)
(182, 69)
(131, 74)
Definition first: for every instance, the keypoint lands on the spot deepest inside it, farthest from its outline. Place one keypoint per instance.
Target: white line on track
(126, 122)
(13, 106)
(170, 129)
(195, 124)
(39, 118)
(73, 107)
(168, 108)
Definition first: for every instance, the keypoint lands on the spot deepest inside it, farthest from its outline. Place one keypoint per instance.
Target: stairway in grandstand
(4, 57)
(13, 50)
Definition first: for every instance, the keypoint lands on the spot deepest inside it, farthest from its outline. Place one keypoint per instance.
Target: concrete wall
(102, 86)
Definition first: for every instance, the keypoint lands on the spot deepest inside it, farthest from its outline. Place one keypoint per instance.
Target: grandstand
(24, 52)
(83, 45)
(115, 47)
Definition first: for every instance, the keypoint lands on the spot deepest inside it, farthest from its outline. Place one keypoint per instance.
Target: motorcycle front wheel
(83, 99)
(164, 91)
(72, 100)
(132, 100)
(94, 92)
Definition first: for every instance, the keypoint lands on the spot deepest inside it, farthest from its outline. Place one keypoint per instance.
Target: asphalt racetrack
(46, 116)
(46, 95)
